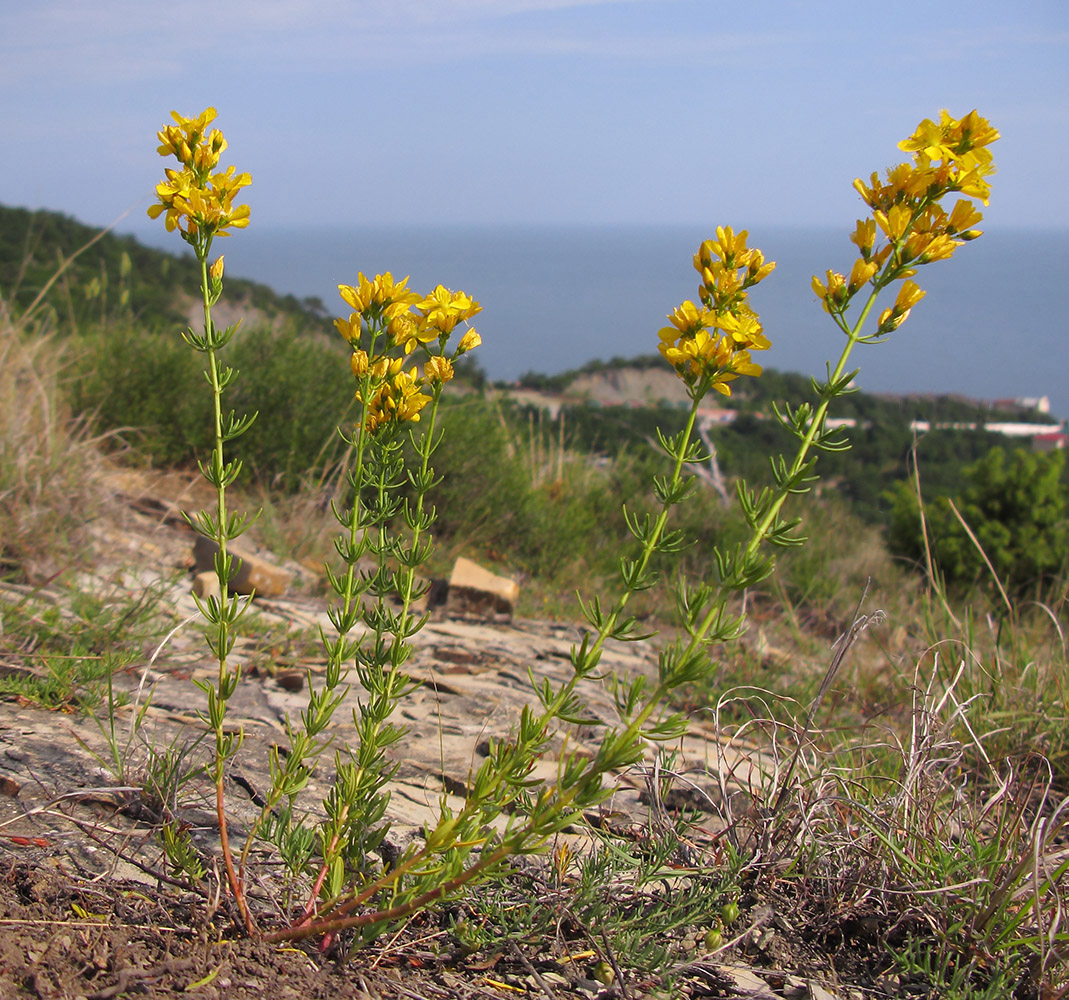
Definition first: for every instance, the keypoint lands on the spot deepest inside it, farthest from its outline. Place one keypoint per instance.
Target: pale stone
(254, 574)
(817, 992)
(206, 585)
(475, 590)
(747, 983)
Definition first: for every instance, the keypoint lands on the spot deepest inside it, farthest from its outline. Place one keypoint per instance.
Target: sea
(993, 325)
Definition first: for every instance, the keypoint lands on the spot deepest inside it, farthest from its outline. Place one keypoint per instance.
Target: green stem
(760, 533)
(222, 744)
(649, 545)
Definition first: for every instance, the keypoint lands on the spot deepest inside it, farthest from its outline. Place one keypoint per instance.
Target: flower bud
(359, 363)
(469, 342)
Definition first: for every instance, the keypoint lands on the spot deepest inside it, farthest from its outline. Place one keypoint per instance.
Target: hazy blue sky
(488, 111)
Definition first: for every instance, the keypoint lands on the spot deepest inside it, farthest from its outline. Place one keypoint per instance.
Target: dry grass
(938, 826)
(49, 459)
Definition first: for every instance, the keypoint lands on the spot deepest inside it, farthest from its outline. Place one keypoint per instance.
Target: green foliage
(59, 658)
(157, 403)
(561, 381)
(1014, 504)
(294, 381)
(116, 278)
(757, 395)
(878, 457)
(638, 904)
(881, 442)
(975, 865)
(507, 492)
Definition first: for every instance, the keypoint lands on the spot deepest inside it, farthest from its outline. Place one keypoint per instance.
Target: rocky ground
(84, 910)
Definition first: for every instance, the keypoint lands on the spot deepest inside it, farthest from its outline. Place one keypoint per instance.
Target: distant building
(711, 416)
(1017, 430)
(1027, 404)
(1050, 442)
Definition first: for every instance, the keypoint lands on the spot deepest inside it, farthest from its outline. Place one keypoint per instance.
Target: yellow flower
(197, 202)
(396, 399)
(385, 368)
(382, 298)
(438, 369)
(407, 333)
(963, 216)
(892, 318)
(908, 296)
(861, 273)
(741, 326)
(972, 183)
(728, 246)
(206, 154)
(359, 362)
(686, 319)
(708, 344)
(178, 140)
(443, 309)
(722, 286)
(172, 194)
(923, 247)
(948, 156)
(198, 207)
(349, 328)
(950, 138)
(728, 268)
(833, 293)
(864, 237)
(712, 360)
(469, 342)
(757, 270)
(894, 222)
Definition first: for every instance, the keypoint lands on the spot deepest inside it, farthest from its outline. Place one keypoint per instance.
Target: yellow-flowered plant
(393, 322)
(949, 157)
(197, 200)
(709, 344)
(403, 350)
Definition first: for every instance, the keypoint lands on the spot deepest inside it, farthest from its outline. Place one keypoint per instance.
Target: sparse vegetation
(890, 810)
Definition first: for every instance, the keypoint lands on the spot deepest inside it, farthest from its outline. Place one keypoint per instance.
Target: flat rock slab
(60, 778)
(71, 798)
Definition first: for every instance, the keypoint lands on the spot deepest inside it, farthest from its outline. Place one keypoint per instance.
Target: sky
(485, 112)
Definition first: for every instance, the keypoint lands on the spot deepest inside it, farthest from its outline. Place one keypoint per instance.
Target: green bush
(503, 498)
(150, 384)
(148, 387)
(1015, 505)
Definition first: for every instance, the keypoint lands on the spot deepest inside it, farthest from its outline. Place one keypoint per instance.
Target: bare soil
(87, 911)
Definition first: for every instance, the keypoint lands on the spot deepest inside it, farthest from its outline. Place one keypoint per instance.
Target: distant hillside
(118, 278)
(648, 380)
(612, 407)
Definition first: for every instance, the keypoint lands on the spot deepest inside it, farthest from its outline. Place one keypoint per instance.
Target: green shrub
(1015, 506)
(147, 387)
(522, 501)
(149, 384)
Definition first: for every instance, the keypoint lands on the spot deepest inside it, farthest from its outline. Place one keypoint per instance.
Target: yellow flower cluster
(384, 306)
(949, 157)
(198, 199)
(709, 344)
